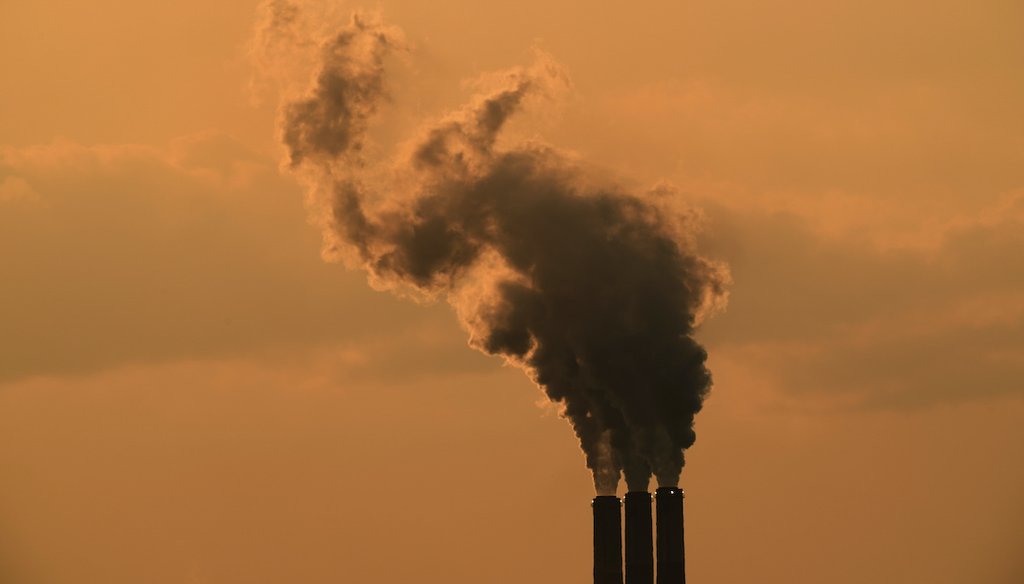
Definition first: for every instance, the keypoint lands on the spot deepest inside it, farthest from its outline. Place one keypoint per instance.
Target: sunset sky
(190, 394)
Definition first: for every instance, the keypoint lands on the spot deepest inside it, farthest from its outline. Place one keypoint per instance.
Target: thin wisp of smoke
(594, 291)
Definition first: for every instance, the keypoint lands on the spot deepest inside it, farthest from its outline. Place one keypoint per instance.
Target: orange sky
(189, 394)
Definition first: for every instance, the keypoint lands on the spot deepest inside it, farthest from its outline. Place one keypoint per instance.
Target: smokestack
(639, 541)
(607, 539)
(671, 557)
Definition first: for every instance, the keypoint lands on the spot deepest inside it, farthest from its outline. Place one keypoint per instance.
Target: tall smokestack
(607, 539)
(671, 557)
(639, 540)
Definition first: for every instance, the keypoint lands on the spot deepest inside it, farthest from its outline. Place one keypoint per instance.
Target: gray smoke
(594, 291)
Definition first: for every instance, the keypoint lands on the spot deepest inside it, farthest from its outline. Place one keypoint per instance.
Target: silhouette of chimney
(639, 539)
(671, 557)
(607, 539)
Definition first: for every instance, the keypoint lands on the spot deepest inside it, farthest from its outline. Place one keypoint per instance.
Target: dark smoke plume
(594, 291)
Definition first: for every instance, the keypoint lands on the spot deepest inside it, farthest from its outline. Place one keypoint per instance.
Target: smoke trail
(594, 291)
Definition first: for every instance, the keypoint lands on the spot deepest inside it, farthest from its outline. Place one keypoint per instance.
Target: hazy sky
(189, 394)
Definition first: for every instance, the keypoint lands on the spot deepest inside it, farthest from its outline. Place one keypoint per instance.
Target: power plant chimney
(607, 539)
(639, 540)
(671, 558)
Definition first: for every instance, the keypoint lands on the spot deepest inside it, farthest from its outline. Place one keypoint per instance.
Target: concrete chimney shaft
(639, 538)
(607, 539)
(671, 555)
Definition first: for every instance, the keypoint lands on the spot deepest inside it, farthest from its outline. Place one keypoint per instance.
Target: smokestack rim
(669, 492)
(605, 500)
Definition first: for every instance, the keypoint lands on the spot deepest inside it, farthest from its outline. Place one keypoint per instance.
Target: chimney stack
(607, 539)
(639, 540)
(671, 558)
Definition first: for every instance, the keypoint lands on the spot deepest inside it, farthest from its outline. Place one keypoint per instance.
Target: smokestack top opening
(669, 491)
(605, 501)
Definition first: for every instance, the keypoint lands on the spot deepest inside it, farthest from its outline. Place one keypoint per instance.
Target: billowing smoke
(594, 291)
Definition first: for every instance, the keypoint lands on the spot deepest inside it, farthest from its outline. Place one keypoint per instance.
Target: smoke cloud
(594, 291)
